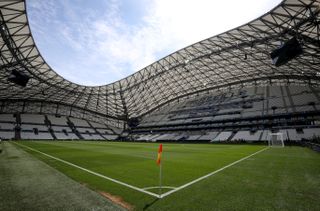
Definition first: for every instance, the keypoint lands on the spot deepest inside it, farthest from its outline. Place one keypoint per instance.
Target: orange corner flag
(159, 154)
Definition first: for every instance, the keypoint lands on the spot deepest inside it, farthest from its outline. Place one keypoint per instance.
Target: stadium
(238, 115)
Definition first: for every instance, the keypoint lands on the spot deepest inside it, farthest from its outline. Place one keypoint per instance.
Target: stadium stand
(7, 118)
(57, 120)
(248, 135)
(240, 115)
(311, 132)
(7, 126)
(48, 127)
(233, 86)
(6, 135)
(32, 118)
(79, 122)
(223, 136)
(33, 136)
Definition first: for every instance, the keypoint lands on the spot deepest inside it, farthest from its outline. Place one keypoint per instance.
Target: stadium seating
(311, 133)
(79, 122)
(294, 135)
(64, 132)
(85, 130)
(223, 136)
(58, 120)
(209, 136)
(248, 135)
(110, 137)
(32, 118)
(69, 136)
(37, 126)
(92, 137)
(7, 118)
(244, 111)
(248, 114)
(32, 126)
(6, 134)
(7, 126)
(40, 135)
(193, 137)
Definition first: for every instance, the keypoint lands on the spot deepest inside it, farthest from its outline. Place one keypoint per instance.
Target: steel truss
(239, 57)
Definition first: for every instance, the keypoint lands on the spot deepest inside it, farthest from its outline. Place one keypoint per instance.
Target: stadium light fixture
(286, 52)
(18, 78)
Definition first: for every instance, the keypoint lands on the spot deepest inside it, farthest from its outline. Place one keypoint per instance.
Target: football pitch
(194, 176)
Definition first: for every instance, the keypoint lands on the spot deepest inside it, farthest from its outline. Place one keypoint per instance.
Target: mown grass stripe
(143, 190)
(210, 174)
(92, 172)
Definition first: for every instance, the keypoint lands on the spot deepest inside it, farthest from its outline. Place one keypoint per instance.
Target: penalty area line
(92, 172)
(210, 174)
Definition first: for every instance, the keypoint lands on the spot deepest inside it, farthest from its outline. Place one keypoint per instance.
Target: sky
(97, 42)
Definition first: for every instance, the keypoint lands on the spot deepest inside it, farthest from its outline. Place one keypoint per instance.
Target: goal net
(275, 140)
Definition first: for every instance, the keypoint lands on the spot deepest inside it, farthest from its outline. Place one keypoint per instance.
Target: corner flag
(159, 155)
(159, 164)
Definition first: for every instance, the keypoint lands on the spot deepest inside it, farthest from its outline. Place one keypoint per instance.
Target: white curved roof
(237, 57)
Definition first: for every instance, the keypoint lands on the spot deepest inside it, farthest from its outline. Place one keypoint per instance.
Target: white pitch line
(210, 174)
(92, 172)
(154, 187)
(144, 189)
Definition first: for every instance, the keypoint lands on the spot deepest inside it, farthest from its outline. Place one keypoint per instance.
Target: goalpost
(275, 140)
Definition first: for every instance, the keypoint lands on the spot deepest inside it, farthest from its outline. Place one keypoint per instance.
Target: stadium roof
(239, 57)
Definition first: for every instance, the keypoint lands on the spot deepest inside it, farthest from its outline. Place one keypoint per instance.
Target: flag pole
(160, 178)
(160, 166)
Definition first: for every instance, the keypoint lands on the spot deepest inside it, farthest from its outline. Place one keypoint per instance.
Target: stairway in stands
(283, 99)
(95, 129)
(291, 100)
(232, 135)
(47, 122)
(17, 129)
(315, 94)
(73, 128)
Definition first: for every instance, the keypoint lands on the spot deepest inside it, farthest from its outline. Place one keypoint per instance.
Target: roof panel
(239, 56)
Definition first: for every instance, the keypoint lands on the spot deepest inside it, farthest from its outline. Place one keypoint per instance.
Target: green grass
(28, 184)
(278, 178)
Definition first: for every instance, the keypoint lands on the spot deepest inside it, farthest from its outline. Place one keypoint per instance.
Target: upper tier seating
(278, 108)
(79, 122)
(7, 118)
(32, 118)
(85, 130)
(7, 126)
(35, 126)
(31, 127)
(237, 104)
(58, 120)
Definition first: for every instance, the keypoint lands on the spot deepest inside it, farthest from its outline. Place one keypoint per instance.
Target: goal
(275, 140)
